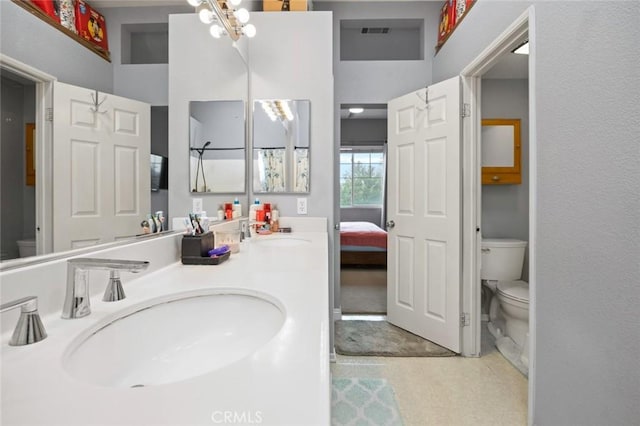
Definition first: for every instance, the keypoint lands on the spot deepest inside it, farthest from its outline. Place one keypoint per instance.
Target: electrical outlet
(197, 205)
(302, 206)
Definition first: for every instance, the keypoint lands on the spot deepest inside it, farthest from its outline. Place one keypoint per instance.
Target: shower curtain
(271, 169)
(301, 176)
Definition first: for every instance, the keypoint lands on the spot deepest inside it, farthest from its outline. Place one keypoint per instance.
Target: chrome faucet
(76, 302)
(29, 328)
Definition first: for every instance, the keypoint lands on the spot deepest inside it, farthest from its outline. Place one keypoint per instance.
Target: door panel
(424, 202)
(101, 179)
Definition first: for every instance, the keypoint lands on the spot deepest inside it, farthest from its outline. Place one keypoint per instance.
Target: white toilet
(27, 248)
(502, 261)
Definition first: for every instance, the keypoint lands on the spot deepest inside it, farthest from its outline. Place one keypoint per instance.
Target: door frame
(472, 189)
(43, 147)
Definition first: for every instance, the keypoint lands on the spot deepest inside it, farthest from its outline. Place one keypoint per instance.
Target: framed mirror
(217, 154)
(501, 151)
(281, 145)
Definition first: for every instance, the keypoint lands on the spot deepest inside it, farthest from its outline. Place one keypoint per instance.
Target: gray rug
(379, 338)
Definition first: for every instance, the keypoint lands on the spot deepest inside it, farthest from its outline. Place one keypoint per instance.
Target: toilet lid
(518, 290)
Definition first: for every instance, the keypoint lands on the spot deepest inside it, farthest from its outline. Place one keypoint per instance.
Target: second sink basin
(175, 339)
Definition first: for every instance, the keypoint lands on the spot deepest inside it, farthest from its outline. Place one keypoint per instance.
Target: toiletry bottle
(267, 212)
(237, 207)
(275, 220)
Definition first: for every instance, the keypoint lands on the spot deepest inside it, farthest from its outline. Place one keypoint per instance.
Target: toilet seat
(516, 290)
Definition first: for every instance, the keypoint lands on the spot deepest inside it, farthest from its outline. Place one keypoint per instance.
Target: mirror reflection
(281, 145)
(217, 146)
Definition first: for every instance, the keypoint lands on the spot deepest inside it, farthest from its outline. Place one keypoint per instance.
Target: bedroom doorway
(362, 165)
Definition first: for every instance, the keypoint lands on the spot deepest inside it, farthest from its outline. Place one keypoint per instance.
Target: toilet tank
(502, 259)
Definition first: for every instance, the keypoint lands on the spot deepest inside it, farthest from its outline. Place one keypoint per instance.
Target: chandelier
(224, 17)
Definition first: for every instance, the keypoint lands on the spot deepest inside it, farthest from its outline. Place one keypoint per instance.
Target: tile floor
(452, 391)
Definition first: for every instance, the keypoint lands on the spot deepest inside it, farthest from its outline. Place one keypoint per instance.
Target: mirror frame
(504, 175)
(288, 166)
(244, 148)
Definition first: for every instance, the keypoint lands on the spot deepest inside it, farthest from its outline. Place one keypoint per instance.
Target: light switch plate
(197, 205)
(301, 205)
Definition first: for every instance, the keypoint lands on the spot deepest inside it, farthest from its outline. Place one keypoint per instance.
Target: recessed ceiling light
(356, 110)
(523, 49)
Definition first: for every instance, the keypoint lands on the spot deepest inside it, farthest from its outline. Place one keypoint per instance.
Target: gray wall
(586, 81)
(398, 44)
(363, 132)
(17, 200)
(12, 171)
(505, 208)
(30, 40)
(144, 82)
(223, 124)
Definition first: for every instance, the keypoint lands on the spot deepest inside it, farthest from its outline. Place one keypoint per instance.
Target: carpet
(363, 291)
(363, 401)
(379, 338)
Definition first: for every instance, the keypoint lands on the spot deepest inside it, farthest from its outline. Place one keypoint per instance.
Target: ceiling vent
(375, 30)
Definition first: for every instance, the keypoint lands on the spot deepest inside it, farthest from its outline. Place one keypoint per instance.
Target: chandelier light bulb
(216, 31)
(249, 30)
(242, 15)
(194, 3)
(206, 16)
(235, 3)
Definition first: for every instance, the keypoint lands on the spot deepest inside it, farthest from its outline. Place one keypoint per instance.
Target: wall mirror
(281, 145)
(217, 147)
(501, 151)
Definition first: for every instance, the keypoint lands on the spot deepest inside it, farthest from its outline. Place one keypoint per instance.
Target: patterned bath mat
(363, 402)
(379, 338)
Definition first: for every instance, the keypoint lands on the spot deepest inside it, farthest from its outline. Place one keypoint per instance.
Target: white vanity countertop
(285, 382)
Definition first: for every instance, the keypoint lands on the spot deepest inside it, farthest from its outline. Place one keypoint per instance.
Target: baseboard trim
(333, 358)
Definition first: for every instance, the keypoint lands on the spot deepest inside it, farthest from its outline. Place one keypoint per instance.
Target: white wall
(291, 58)
(201, 68)
(505, 208)
(586, 79)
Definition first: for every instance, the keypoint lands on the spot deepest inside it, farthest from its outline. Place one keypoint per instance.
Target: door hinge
(466, 110)
(49, 114)
(465, 319)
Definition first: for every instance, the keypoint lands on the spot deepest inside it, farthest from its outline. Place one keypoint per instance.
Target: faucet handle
(29, 328)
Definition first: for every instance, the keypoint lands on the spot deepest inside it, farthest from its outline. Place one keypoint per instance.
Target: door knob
(390, 224)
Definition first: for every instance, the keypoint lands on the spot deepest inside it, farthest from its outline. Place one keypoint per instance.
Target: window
(361, 177)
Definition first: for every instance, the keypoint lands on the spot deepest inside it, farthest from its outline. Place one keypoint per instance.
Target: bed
(362, 244)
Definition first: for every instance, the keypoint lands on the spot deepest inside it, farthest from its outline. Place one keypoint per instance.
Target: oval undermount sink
(282, 242)
(172, 340)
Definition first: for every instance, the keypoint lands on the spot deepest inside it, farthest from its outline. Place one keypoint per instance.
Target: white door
(424, 265)
(101, 174)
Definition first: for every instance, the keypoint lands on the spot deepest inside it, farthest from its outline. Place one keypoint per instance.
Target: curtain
(301, 176)
(271, 167)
